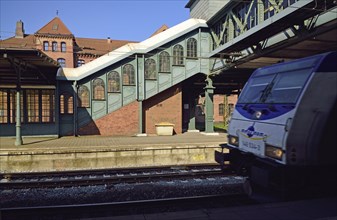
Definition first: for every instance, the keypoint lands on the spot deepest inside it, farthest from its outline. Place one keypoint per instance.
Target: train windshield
(282, 87)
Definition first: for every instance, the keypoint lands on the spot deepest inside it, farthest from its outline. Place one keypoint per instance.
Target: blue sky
(132, 20)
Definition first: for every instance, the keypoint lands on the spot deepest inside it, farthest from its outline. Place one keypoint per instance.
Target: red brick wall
(164, 107)
(68, 55)
(123, 122)
(218, 99)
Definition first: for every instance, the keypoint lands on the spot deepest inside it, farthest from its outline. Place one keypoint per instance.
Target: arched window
(164, 62)
(80, 63)
(192, 48)
(113, 82)
(45, 45)
(63, 47)
(62, 62)
(98, 89)
(178, 55)
(83, 96)
(150, 69)
(128, 75)
(66, 103)
(54, 46)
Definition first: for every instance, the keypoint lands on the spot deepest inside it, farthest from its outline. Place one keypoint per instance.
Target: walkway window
(62, 62)
(192, 48)
(83, 96)
(54, 46)
(45, 45)
(66, 103)
(80, 63)
(128, 75)
(48, 109)
(63, 47)
(178, 55)
(113, 82)
(98, 89)
(164, 62)
(150, 69)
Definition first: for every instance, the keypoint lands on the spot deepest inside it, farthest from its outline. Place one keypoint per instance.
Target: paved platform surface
(311, 209)
(92, 142)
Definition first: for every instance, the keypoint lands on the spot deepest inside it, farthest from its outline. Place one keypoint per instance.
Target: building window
(113, 82)
(221, 109)
(66, 103)
(230, 108)
(128, 75)
(83, 96)
(62, 62)
(80, 63)
(178, 55)
(63, 47)
(48, 109)
(3, 106)
(164, 62)
(45, 45)
(98, 89)
(33, 107)
(54, 46)
(150, 69)
(39, 106)
(192, 48)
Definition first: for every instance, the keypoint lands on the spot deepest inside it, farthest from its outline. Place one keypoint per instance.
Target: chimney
(19, 31)
(109, 41)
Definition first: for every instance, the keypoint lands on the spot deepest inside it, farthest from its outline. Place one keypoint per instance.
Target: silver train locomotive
(283, 128)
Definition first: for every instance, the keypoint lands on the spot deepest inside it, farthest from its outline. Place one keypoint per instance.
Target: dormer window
(55, 26)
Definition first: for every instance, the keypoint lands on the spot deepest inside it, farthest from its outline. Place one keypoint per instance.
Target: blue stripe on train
(265, 111)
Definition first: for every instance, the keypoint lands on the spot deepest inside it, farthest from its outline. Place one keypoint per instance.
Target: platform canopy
(27, 66)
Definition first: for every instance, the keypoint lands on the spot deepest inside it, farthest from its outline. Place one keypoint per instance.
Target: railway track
(106, 176)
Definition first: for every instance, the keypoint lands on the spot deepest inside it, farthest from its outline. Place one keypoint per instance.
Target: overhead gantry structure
(251, 34)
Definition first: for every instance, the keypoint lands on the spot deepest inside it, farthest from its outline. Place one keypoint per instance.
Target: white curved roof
(129, 49)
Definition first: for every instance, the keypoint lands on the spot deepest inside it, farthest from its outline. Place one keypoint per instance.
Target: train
(282, 132)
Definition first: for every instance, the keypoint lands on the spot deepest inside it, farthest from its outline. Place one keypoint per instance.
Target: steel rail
(108, 177)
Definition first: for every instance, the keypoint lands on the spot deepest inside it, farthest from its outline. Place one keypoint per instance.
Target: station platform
(96, 152)
(309, 209)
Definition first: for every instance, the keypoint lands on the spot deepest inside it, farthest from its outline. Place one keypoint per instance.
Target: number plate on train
(254, 146)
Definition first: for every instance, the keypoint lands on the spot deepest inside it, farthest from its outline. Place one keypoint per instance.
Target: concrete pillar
(140, 119)
(209, 108)
(18, 139)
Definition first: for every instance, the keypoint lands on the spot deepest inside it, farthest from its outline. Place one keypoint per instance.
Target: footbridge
(133, 88)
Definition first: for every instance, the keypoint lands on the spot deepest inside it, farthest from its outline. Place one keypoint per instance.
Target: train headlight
(233, 140)
(273, 152)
